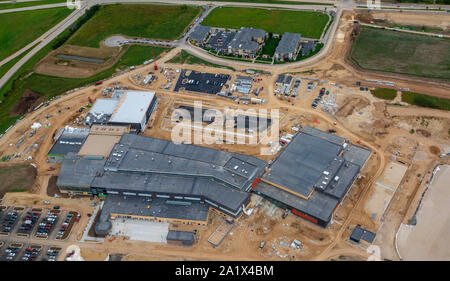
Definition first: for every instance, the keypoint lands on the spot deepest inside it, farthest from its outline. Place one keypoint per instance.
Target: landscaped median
(185, 58)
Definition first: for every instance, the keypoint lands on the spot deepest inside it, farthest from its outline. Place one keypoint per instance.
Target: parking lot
(201, 82)
(37, 223)
(17, 251)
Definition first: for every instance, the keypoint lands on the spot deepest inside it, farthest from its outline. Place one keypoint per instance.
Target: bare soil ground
(16, 177)
(365, 120)
(52, 65)
(28, 101)
(419, 19)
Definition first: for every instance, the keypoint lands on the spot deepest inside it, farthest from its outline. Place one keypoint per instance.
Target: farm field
(142, 20)
(21, 28)
(403, 53)
(308, 24)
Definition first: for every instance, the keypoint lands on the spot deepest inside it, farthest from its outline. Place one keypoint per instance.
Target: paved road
(42, 41)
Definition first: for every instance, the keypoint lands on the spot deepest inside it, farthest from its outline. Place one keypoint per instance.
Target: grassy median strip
(308, 24)
(7, 66)
(185, 58)
(165, 22)
(20, 28)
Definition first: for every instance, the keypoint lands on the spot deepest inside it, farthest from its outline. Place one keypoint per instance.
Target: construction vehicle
(89, 99)
(155, 67)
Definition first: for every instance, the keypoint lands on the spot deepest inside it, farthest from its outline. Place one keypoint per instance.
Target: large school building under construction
(158, 180)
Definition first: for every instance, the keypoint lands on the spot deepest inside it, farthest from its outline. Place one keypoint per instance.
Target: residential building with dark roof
(247, 42)
(288, 47)
(200, 34)
(308, 47)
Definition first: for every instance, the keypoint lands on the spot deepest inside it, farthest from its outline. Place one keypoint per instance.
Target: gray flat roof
(176, 185)
(65, 145)
(324, 135)
(78, 172)
(318, 205)
(154, 207)
(175, 235)
(356, 154)
(150, 155)
(70, 140)
(302, 162)
(139, 163)
(104, 106)
(132, 107)
(311, 165)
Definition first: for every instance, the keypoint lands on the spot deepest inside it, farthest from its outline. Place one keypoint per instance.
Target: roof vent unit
(336, 178)
(326, 173)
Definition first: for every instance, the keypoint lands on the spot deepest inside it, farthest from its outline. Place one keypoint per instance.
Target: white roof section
(105, 106)
(132, 107)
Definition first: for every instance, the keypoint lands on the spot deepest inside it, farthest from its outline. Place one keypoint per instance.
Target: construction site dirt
(409, 137)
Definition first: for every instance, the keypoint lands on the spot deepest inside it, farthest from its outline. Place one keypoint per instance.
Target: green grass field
(7, 6)
(20, 28)
(400, 52)
(141, 20)
(426, 101)
(384, 93)
(308, 24)
(185, 58)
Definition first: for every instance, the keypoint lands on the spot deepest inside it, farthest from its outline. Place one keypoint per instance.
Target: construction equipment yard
(404, 144)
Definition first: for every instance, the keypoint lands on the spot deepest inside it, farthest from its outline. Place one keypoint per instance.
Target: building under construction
(312, 174)
(146, 178)
(156, 168)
